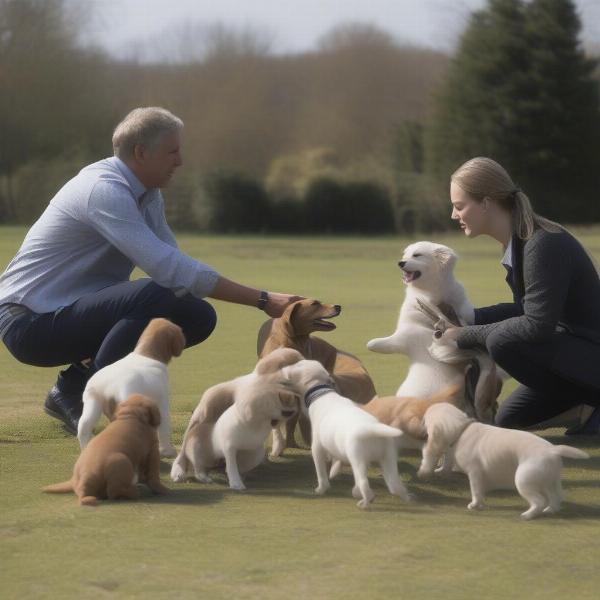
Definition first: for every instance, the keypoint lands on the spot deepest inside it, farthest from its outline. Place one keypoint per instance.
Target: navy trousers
(104, 326)
(552, 380)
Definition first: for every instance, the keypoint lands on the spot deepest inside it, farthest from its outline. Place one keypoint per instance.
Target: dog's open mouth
(323, 324)
(410, 276)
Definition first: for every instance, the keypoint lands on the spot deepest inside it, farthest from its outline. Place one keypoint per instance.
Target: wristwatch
(262, 301)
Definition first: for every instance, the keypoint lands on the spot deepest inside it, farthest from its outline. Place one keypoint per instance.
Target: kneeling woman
(548, 339)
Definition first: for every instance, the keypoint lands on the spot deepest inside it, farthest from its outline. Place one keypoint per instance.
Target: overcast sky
(294, 25)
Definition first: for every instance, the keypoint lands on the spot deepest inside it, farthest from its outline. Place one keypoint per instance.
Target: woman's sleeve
(546, 273)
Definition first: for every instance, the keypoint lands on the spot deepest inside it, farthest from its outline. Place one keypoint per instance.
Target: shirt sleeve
(113, 212)
(546, 272)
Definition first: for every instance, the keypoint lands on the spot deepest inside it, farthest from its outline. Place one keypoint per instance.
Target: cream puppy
(428, 272)
(233, 420)
(496, 458)
(143, 371)
(344, 432)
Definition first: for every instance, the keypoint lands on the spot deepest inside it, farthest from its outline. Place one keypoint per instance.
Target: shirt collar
(137, 187)
(507, 259)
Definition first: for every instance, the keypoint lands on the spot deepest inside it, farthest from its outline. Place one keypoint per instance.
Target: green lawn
(278, 539)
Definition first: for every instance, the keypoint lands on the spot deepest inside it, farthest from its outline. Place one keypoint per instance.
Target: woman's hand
(447, 336)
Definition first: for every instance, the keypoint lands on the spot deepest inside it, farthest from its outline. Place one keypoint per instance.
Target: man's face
(155, 166)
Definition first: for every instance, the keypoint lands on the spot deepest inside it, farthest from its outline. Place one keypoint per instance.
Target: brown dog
(125, 452)
(293, 330)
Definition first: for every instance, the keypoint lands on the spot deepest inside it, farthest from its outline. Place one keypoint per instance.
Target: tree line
(360, 135)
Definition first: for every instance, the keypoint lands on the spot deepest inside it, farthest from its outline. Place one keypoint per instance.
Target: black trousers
(554, 376)
(104, 326)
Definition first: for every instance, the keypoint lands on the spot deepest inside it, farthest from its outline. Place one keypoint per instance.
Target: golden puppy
(125, 452)
(293, 330)
(407, 413)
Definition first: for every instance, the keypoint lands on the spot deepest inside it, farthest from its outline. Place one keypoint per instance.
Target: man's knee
(199, 322)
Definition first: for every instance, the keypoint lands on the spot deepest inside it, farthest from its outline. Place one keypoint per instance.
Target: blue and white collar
(316, 392)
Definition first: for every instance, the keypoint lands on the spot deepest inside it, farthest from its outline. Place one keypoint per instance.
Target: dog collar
(316, 392)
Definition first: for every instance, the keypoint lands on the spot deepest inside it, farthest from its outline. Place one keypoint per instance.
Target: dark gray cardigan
(557, 293)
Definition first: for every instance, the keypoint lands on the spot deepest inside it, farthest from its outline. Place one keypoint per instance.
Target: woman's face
(471, 215)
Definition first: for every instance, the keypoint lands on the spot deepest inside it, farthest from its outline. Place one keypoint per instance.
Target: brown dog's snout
(338, 308)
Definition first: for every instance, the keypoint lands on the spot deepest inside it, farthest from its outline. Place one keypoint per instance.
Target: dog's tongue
(408, 276)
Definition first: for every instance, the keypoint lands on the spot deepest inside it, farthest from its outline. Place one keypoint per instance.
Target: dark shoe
(65, 407)
(590, 427)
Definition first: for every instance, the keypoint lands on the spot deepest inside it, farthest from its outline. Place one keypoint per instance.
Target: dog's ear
(292, 310)
(445, 256)
(110, 408)
(289, 401)
(276, 360)
(153, 415)
(177, 341)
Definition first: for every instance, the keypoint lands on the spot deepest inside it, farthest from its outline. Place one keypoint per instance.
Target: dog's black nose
(337, 307)
(401, 264)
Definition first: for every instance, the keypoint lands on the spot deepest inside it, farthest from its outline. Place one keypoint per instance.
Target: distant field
(278, 539)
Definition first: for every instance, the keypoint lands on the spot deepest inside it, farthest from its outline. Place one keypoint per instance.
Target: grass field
(278, 539)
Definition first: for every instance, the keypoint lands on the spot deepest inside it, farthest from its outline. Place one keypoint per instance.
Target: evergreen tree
(521, 91)
(563, 122)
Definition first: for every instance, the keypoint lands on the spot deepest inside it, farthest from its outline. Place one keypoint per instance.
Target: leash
(316, 392)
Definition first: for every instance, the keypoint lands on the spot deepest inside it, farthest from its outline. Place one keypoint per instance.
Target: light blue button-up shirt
(97, 228)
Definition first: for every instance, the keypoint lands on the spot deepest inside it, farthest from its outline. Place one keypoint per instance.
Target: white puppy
(143, 371)
(344, 432)
(496, 458)
(233, 419)
(428, 272)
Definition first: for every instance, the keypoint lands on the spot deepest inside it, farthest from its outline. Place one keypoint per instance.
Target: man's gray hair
(144, 126)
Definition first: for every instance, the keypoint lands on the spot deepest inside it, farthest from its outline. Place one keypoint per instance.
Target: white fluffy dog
(428, 272)
(233, 419)
(496, 458)
(143, 371)
(343, 431)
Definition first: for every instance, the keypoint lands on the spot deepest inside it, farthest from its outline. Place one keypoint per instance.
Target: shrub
(237, 203)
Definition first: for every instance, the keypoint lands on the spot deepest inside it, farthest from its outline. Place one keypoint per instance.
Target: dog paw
(177, 474)
(237, 486)
(321, 489)
(363, 504)
(203, 478)
(167, 452)
(475, 506)
(423, 473)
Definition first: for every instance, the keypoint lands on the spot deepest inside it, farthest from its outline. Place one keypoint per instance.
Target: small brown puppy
(293, 330)
(125, 452)
(407, 413)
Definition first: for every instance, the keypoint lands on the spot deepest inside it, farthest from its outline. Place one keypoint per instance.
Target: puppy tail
(59, 488)
(570, 452)
(379, 430)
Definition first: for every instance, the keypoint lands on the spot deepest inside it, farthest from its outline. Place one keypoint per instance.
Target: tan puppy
(496, 458)
(407, 413)
(143, 371)
(233, 419)
(293, 330)
(124, 453)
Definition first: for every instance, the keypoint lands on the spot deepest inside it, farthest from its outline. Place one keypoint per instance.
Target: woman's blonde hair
(484, 178)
